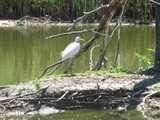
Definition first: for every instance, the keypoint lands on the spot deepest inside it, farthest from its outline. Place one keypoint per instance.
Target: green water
(24, 52)
(87, 115)
(95, 115)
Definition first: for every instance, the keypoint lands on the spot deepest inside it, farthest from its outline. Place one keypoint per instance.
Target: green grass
(115, 71)
(146, 61)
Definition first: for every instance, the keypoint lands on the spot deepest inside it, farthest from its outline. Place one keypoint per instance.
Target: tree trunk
(157, 53)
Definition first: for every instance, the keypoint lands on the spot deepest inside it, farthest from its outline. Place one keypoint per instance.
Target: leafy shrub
(146, 61)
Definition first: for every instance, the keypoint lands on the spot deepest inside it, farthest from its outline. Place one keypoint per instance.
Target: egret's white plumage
(72, 49)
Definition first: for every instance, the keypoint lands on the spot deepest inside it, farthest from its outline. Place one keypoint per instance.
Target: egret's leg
(53, 70)
(69, 66)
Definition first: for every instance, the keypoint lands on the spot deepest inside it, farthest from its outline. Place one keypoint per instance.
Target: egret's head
(77, 39)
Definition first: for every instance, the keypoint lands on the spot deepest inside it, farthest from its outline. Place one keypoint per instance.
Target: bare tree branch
(91, 63)
(51, 66)
(75, 32)
(119, 31)
(107, 39)
(107, 15)
(86, 14)
(153, 1)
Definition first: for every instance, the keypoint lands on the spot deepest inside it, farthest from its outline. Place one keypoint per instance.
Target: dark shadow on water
(140, 88)
(146, 83)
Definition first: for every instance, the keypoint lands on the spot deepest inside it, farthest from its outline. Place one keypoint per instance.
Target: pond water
(87, 115)
(24, 52)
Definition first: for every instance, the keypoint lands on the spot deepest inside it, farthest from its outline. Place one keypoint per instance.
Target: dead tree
(108, 11)
(157, 53)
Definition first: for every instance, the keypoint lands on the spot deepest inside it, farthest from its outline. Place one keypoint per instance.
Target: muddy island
(56, 94)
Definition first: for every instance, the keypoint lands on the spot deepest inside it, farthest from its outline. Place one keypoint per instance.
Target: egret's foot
(69, 74)
(66, 72)
(72, 74)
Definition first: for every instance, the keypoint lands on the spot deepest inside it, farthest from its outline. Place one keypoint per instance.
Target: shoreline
(48, 23)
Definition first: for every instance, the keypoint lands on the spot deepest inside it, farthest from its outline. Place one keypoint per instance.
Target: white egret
(72, 49)
(68, 53)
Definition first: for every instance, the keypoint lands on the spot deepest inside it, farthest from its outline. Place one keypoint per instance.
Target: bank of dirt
(62, 93)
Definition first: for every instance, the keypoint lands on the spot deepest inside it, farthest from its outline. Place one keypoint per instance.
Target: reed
(67, 9)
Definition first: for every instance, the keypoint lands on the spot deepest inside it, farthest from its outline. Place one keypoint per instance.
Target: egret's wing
(71, 50)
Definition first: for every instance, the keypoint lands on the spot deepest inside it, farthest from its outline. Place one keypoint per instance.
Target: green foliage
(146, 61)
(67, 9)
(40, 3)
(117, 70)
(138, 9)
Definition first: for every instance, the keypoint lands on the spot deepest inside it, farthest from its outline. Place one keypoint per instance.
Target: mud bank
(41, 22)
(61, 93)
(25, 23)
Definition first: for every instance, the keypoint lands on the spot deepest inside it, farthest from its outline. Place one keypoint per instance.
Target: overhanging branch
(75, 32)
(155, 2)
